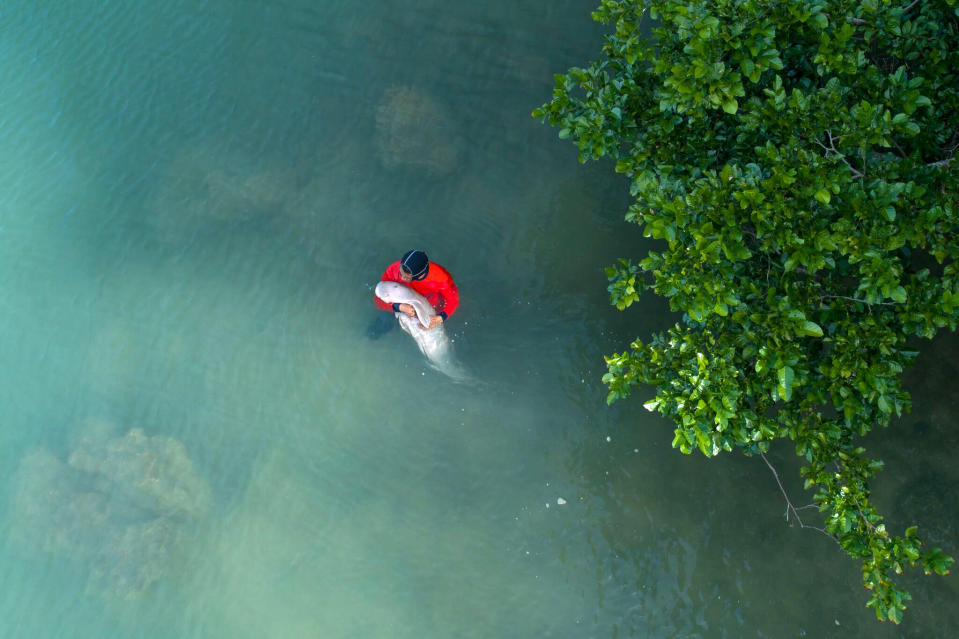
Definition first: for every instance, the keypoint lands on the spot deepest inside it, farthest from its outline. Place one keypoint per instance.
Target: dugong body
(433, 343)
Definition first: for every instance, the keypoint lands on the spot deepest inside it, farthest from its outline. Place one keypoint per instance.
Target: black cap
(415, 263)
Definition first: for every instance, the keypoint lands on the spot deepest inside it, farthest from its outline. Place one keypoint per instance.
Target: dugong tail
(433, 343)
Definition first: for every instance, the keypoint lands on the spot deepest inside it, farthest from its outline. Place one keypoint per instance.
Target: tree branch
(789, 504)
(949, 151)
(852, 20)
(856, 299)
(862, 516)
(902, 153)
(856, 173)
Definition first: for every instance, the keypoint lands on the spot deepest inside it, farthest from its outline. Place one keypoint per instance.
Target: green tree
(796, 160)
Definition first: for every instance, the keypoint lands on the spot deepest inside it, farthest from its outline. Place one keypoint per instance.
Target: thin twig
(852, 20)
(862, 516)
(902, 153)
(789, 504)
(856, 299)
(856, 173)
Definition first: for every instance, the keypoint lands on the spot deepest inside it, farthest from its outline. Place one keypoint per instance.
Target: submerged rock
(132, 558)
(118, 506)
(153, 473)
(204, 186)
(414, 131)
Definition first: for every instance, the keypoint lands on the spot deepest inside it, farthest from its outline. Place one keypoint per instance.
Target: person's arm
(380, 304)
(450, 297)
(447, 299)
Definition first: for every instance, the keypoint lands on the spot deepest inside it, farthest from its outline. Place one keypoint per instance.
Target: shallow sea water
(197, 200)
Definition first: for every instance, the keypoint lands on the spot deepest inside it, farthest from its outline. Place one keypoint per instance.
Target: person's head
(414, 266)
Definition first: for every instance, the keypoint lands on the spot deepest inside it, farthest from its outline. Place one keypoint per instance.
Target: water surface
(198, 199)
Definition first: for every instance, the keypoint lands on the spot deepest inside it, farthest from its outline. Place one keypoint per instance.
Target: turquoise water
(197, 200)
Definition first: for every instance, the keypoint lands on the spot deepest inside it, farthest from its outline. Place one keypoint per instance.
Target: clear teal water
(197, 200)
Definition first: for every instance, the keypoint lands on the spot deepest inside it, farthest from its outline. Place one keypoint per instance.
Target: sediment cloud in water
(415, 131)
(202, 186)
(119, 506)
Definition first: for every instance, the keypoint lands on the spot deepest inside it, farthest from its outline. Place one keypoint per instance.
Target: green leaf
(811, 328)
(730, 106)
(883, 404)
(823, 195)
(786, 377)
(895, 615)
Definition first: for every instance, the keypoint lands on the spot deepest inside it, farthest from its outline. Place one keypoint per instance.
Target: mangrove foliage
(796, 162)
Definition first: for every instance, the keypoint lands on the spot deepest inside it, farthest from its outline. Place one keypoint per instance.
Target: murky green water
(197, 200)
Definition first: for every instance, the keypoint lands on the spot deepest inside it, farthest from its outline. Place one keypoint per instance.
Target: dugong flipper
(433, 342)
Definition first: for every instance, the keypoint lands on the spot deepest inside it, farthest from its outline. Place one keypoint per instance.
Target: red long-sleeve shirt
(437, 287)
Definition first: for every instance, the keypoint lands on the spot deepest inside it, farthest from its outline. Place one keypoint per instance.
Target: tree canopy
(797, 161)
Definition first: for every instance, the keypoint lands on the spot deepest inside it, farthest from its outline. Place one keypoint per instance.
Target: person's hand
(407, 309)
(435, 321)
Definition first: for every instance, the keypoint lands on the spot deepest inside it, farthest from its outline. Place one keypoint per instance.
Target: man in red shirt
(429, 279)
